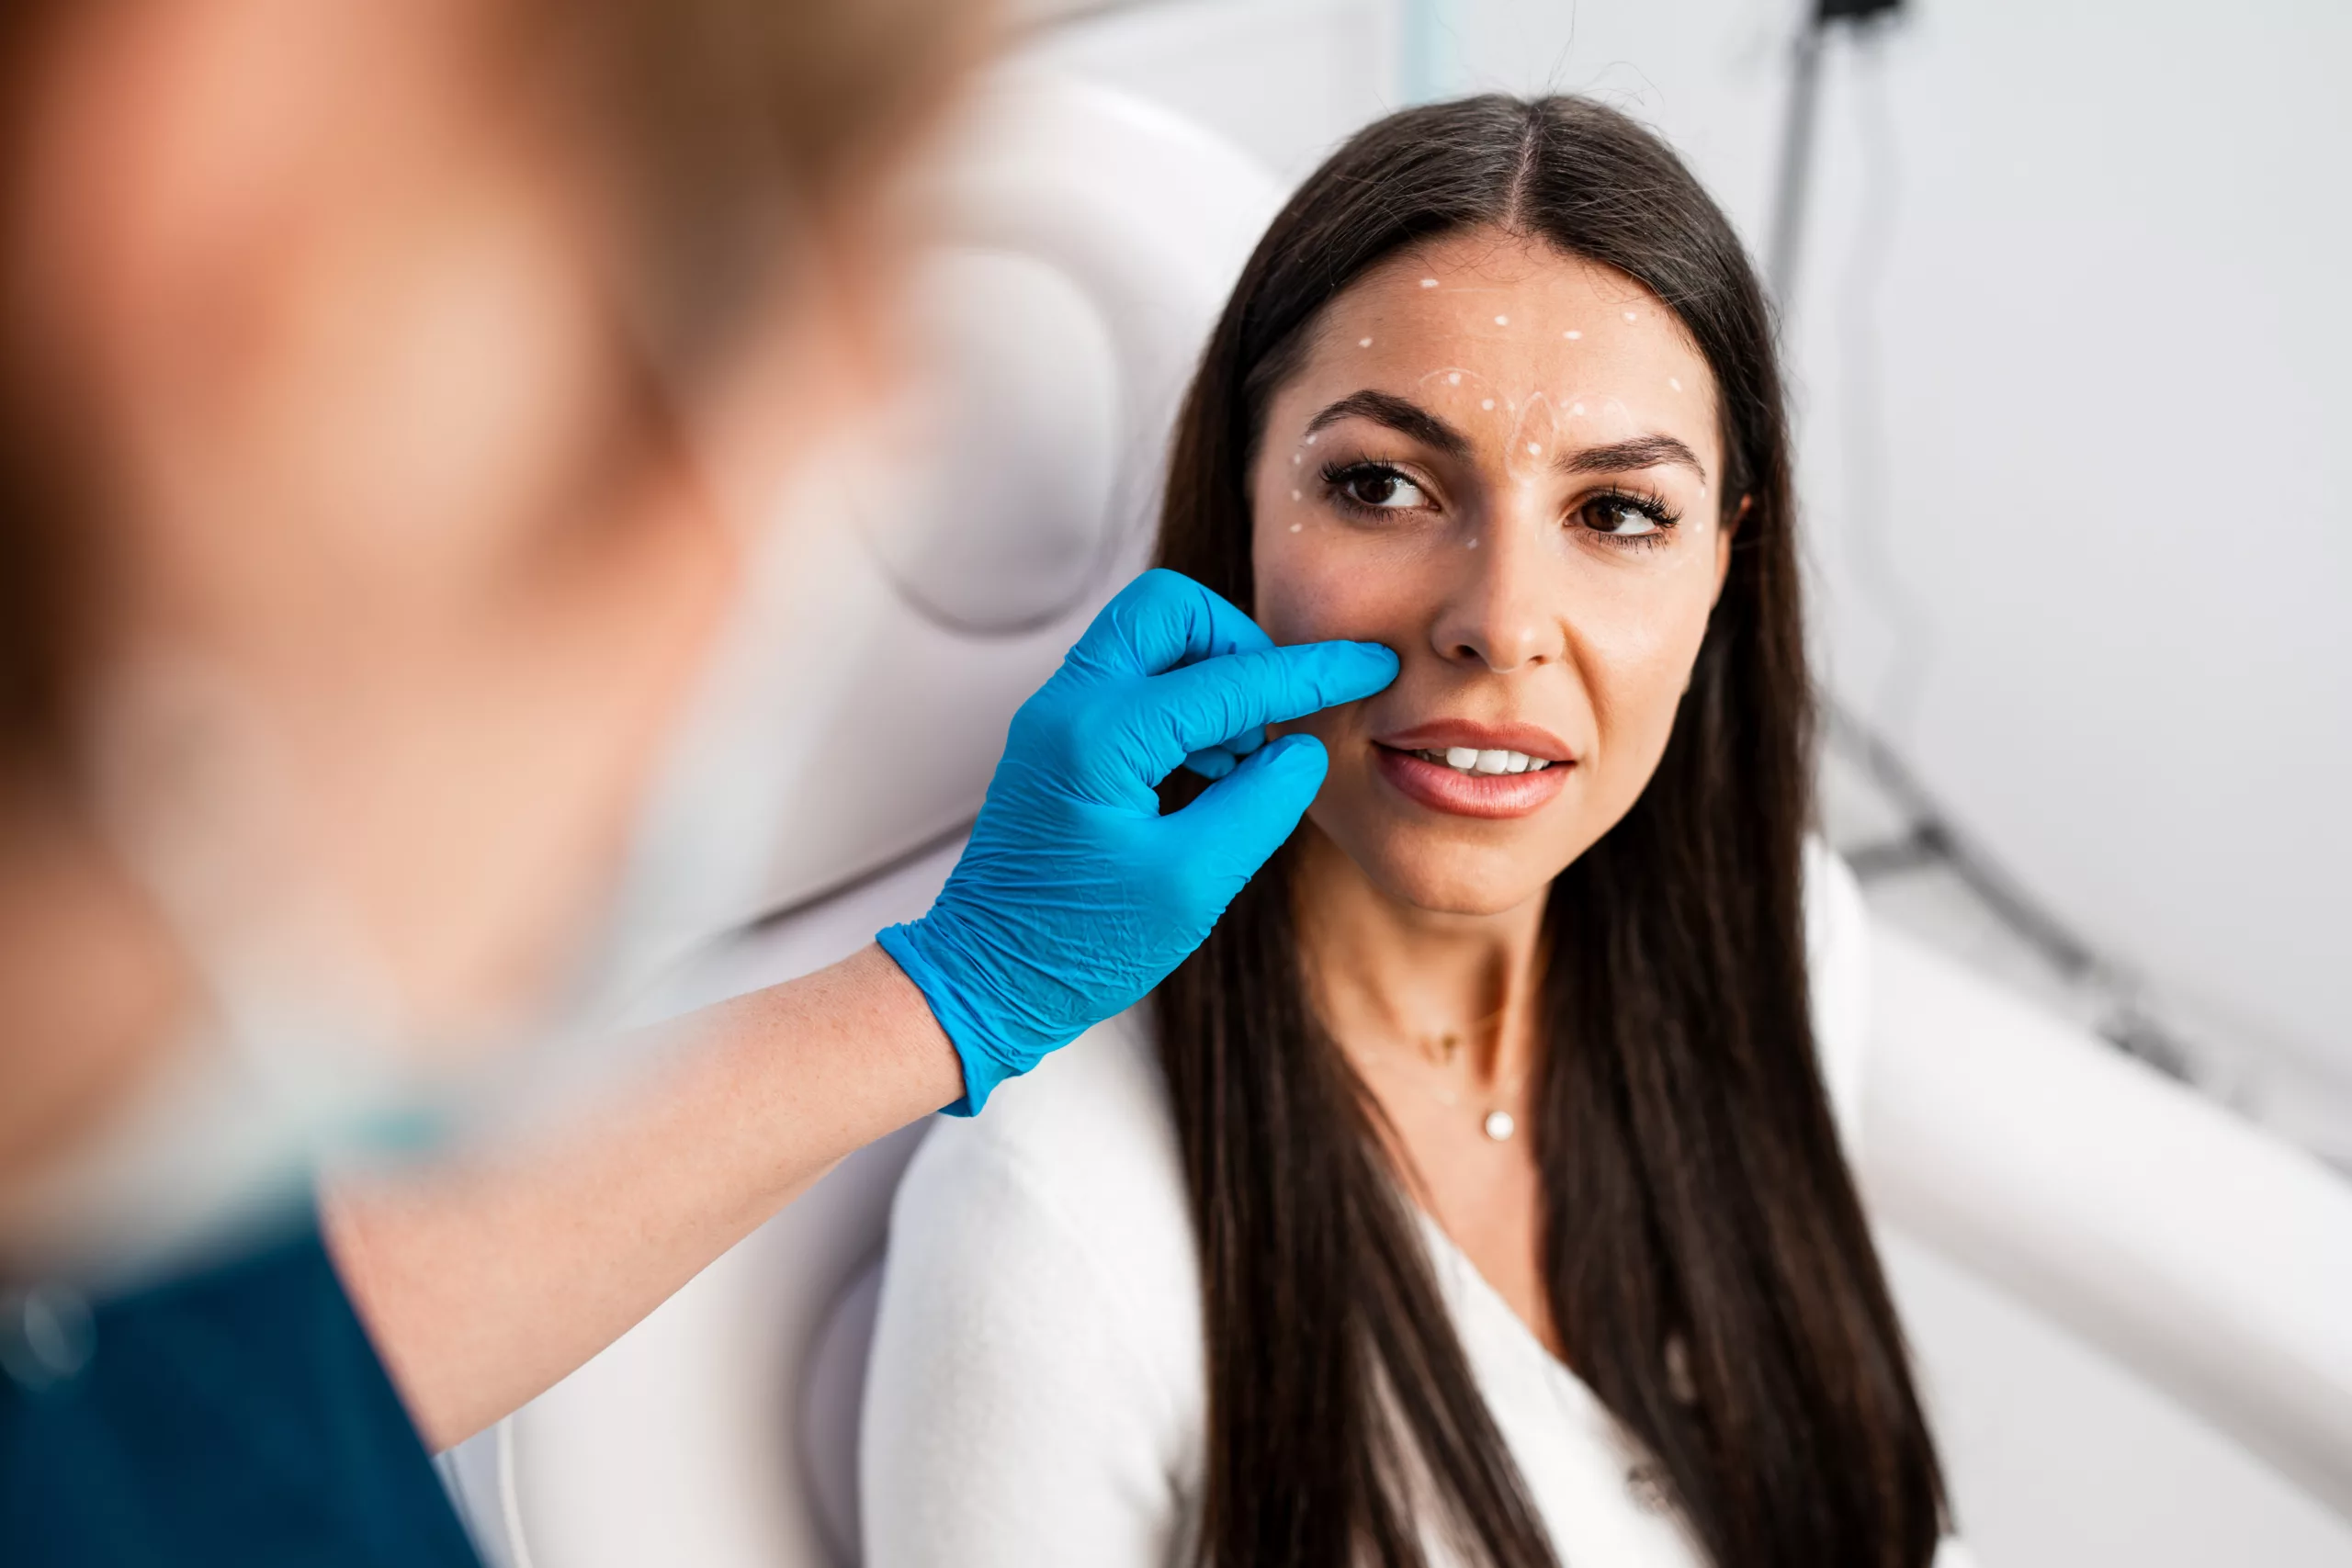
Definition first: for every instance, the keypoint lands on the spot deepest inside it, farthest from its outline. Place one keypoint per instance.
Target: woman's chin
(1454, 880)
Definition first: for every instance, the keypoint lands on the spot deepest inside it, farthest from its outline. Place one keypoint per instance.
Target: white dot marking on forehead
(1572, 334)
(1633, 315)
(1429, 283)
(1310, 440)
(1576, 408)
(1364, 343)
(1473, 544)
(1503, 320)
(1485, 403)
(1453, 379)
(1675, 383)
(1533, 447)
(1296, 526)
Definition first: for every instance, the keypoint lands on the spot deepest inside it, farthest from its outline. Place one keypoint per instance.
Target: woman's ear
(1724, 537)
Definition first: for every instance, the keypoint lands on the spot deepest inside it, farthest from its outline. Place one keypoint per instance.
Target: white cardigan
(1037, 1390)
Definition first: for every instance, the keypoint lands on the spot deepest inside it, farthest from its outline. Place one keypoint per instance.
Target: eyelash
(1338, 476)
(1648, 504)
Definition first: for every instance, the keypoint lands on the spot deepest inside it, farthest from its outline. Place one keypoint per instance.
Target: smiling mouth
(1470, 760)
(1461, 780)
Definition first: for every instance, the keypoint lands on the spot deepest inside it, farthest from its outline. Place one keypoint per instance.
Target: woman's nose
(1497, 614)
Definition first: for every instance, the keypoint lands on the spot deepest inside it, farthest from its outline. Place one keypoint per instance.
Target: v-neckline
(1490, 1301)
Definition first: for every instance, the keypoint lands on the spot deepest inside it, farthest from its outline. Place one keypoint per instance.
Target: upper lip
(1443, 734)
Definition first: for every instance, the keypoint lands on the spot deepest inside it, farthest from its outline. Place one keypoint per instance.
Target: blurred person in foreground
(387, 392)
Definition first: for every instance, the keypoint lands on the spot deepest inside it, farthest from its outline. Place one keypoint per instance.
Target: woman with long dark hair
(1475, 1193)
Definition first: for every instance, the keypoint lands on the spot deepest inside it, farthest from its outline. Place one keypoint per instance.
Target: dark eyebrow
(1408, 418)
(1642, 452)
(1404, 417)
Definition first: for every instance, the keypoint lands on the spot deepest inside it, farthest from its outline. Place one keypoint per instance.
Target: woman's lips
(1447, 789)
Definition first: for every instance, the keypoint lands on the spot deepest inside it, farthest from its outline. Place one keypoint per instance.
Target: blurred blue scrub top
(236, 1416)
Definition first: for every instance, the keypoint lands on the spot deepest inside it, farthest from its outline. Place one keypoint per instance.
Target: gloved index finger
(1210, 702)
(1163, 621)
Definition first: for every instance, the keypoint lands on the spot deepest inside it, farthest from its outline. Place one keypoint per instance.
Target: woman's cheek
(1312, 586)
(1323, 589)
(1639, 668)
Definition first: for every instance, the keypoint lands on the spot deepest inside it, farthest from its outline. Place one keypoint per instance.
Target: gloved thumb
(1238, 822)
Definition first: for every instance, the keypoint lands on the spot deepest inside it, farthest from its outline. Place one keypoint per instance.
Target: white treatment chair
(1083, 244)
(1086, 244)
(2207, 1259)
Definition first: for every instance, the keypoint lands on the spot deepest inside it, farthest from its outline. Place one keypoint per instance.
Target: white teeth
(1470, 760)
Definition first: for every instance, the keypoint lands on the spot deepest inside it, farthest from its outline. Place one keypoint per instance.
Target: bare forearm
(485, 1284)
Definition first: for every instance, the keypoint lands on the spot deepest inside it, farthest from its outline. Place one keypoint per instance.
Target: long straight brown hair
(1694, 1193)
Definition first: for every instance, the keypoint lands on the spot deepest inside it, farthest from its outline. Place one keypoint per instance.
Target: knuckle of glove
(1050, 730)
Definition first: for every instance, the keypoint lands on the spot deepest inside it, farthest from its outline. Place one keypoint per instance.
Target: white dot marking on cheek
(1534, 448)
(1310, 440)
(1296, 526)
(1473, 544)
(1485, 403)
(1429, 283)
(1364, 343)
(1503, 320)
(1572, 334)
(1675, 383)
(1293, 495)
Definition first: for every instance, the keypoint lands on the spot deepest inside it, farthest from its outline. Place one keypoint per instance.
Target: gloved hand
(1074, 897)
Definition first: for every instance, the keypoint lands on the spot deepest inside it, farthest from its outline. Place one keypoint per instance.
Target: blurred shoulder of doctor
(384, 389)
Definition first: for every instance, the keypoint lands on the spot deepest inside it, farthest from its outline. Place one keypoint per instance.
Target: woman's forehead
(1504, 299)
(1485, 322)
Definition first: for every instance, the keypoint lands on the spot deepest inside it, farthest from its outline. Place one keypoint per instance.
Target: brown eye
(1620, 518)
(1382, 489)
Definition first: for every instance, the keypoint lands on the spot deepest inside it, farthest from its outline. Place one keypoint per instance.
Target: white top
(1037, 1390)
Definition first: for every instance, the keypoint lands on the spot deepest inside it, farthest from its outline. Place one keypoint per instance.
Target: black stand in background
(1930, 838)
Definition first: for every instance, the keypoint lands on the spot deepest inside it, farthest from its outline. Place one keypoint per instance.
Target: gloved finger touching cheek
(1074, 897)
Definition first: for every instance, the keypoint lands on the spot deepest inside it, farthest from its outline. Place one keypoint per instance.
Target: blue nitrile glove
(1074, 897)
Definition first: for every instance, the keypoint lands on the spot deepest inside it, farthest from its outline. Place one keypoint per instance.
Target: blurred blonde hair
(729, 129)
(737, 128)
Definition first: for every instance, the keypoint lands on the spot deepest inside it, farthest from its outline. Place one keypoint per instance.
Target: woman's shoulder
(1094, 1113)
(1837, 931)
(1078, 1159)
(1036, 1391)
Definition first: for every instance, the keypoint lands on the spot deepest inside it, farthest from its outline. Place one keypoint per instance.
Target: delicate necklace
(1497, 1123)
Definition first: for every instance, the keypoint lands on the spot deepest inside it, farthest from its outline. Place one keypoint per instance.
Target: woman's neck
(1390, 977)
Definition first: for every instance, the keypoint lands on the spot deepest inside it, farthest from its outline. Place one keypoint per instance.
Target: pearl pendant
(1500, 1126)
